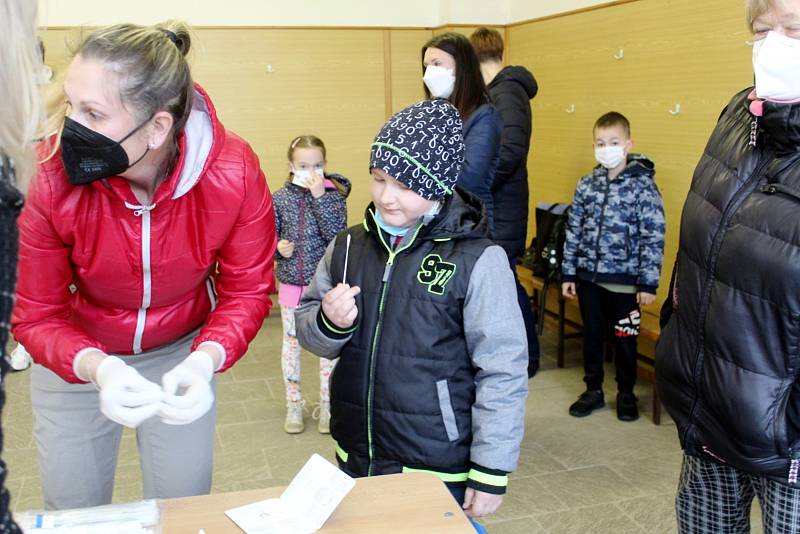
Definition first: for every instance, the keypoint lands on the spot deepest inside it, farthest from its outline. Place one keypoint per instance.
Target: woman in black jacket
(728, 359)
(19, 126)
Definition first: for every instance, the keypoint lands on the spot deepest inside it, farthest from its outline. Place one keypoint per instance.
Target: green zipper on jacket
(376, 335)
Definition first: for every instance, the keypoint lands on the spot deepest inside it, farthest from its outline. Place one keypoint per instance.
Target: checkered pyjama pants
(716, 499)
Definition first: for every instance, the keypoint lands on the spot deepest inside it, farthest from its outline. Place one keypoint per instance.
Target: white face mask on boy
(776, 63)
(610, 156)
(440, 81)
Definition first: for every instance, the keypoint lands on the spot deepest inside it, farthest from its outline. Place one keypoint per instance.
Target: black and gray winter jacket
(310, 223)
(433, 375)
(511, 92)
(728, 358)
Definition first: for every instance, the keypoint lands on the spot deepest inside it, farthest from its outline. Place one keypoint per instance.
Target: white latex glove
(126, 397)
(187, 390)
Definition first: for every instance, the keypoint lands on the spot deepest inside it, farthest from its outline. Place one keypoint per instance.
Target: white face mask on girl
(440, 81)
(301, 177)
(776, 63)
(610, 156)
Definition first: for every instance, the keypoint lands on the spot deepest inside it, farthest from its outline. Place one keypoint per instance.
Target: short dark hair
(470, 90)
(488, 44)
(611, 119)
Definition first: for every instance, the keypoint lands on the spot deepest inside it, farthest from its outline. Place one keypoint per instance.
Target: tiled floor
(592, 475)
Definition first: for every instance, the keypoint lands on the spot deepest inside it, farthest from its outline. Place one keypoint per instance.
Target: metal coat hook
(676, 111)
(571, 109)
(620, 55)
(270, 70)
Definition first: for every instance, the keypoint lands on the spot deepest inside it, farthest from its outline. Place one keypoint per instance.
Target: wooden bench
(567, 314)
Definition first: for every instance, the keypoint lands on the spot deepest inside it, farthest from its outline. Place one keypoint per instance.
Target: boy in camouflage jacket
(612, 259)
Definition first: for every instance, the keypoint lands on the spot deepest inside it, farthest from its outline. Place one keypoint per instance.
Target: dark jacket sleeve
(575, 219)
(651, 229)
(10, 204)
(514, 107)
(482, 139)
(277, 205)
(330, 211)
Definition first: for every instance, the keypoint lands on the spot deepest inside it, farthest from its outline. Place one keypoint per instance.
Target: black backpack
(546, 252)
(551, 232)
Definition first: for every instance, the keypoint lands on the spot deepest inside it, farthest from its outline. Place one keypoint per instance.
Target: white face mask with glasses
(776, 63)
(440, 81)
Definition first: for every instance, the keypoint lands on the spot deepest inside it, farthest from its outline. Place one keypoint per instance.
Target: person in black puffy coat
(728, 359)
(309, 211)
(10, 206)
(511, 89)
(20, 64)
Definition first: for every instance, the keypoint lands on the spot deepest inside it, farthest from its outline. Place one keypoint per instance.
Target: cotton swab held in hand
(346, 255)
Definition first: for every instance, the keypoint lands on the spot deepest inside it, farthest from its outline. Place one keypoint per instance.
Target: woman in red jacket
(146, 250)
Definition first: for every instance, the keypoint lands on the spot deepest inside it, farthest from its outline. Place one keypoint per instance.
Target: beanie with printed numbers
(422, 146)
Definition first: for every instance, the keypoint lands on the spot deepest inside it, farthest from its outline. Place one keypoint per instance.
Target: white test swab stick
(346, 256)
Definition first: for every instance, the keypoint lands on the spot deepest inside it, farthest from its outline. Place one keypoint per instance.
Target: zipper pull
(139, 210)
(769, 189)
(388, 267)
(794, 468)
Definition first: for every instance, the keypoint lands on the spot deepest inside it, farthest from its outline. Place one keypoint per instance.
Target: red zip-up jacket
(200, 256)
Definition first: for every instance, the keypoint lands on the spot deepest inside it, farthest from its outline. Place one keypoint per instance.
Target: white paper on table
(304, 506)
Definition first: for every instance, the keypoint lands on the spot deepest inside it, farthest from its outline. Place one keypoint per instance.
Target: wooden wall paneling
(674, 52)
(329, 83)
(387, 72)
(58, 44)
(407, 86)
(465, 29)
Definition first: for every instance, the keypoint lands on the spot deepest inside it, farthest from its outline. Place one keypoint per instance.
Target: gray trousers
(78, 446)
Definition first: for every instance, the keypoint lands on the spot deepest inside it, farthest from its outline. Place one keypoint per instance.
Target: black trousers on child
(605, 313)
(529, 319)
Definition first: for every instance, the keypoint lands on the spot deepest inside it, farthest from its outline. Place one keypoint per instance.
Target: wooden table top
(408, 503)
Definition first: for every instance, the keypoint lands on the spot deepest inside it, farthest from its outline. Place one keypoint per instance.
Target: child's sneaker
(294, 417)
(19, 359)
(322, 412)
(589, 401)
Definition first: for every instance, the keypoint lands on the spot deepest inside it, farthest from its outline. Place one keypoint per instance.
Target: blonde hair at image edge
(757, 8)
(21, 116)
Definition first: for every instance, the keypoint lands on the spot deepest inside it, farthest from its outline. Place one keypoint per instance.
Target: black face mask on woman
(89, 156)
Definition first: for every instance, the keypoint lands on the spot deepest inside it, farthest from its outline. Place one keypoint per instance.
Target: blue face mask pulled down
(396, 231)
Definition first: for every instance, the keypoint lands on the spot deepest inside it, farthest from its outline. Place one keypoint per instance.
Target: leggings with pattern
(290, 362)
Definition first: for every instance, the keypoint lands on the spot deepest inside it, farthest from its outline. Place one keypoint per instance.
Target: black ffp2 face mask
(89, 156)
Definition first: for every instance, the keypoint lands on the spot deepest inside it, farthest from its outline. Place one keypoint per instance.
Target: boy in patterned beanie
(422, 147)
(420, 307)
